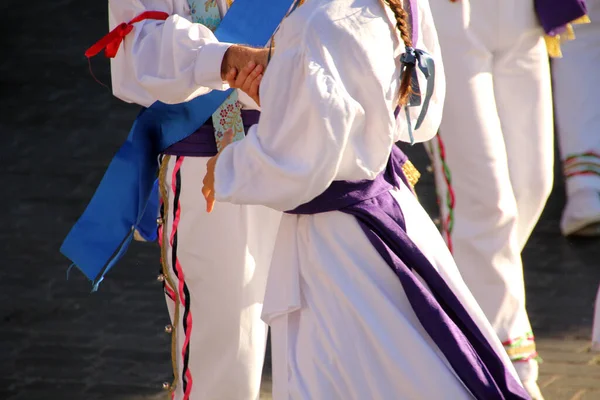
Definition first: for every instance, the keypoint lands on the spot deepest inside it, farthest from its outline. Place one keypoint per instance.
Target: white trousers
(218, 264)
(576, 79)
(576, 97)
(497, 133)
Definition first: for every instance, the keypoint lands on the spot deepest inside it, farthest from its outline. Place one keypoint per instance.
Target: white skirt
(341, 324)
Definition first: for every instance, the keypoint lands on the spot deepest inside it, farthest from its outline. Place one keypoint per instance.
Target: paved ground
(58, 131)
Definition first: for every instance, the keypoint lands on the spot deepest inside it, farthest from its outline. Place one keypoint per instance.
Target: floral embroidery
(208, 4)
(229, 117)
(229, 114)
(209, 17)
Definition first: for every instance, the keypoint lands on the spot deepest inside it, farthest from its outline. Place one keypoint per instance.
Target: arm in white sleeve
(294, 153)
(172, 61)
(427, 41)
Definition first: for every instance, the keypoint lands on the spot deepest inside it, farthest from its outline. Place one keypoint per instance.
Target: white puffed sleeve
(172, 61)
(427, 41)
(294, 153)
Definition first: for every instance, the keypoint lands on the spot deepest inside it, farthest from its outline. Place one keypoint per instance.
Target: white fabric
(582, 209)
(354, 334)
(576, 80)
(172, 61)
(497, 133)
(346, 106)
(342, 327)
(596, 326)
(225, 257)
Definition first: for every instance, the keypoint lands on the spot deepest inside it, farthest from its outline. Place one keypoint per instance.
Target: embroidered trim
(587, 163)
(184, 295)
(439, 160)
(521, 348)
(166, 277)
(169, 291)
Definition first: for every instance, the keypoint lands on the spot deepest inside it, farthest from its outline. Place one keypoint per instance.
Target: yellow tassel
(553, 42)
(412, 173)
(553, 46)
(582, 20)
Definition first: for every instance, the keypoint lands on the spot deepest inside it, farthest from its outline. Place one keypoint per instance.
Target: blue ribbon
(147, 227)
(103, 233)
(423, 61)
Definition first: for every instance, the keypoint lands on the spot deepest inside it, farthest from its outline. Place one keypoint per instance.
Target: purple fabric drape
(439, 310)
(202, 142)
(555, 14)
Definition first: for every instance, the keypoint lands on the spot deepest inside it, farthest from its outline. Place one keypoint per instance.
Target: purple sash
(439, 310)
(202, 142)
(555, 14)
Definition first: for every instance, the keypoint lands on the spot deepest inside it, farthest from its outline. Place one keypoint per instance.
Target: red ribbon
(111, 42)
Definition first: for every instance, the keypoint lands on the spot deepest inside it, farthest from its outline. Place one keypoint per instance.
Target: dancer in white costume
(576, 80)
(494, 169)
(216, 263)
(344, 324)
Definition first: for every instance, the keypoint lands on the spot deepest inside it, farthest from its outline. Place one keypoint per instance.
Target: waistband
(202, 143)
(342, 194)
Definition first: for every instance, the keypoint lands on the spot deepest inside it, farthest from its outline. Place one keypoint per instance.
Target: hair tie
(423, 62)
(409, 56)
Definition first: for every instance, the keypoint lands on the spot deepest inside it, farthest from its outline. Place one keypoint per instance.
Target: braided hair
(403, 26)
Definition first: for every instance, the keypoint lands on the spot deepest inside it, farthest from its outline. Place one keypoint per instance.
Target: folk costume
(166, 56)
(575, 79)
(363, 297)
(493, 158)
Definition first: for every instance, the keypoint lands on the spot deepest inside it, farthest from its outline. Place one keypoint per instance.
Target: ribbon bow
(423, 61)
(112, 41)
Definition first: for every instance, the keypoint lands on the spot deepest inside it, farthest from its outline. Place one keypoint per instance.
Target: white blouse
(172, 61)
(327, 98)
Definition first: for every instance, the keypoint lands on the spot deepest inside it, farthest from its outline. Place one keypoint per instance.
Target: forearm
(238, 57)
(172, 61)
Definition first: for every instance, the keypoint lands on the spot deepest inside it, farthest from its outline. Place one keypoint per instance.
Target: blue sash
(103, 233)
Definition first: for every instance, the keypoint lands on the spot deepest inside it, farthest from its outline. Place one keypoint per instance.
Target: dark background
(58, 131)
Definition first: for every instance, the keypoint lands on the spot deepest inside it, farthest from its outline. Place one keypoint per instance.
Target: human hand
(239, 57)
(248, 80)
(208, 183)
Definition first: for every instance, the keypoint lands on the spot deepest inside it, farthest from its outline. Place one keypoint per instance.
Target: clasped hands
(242, 67)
